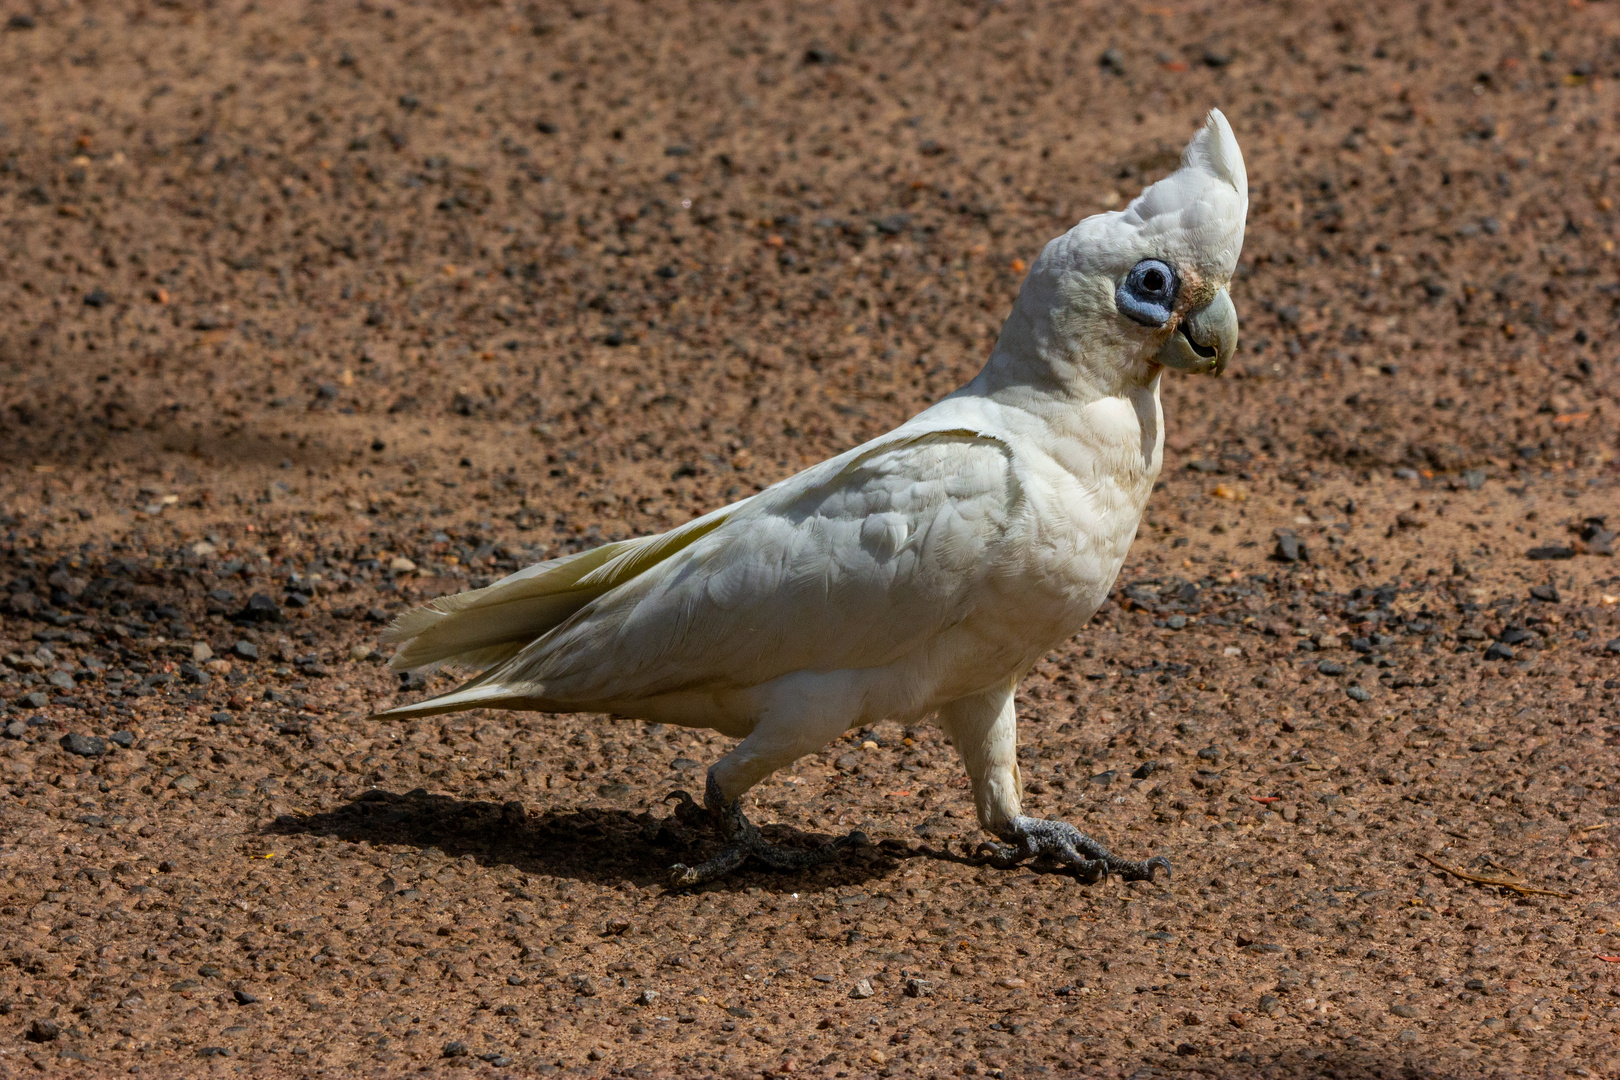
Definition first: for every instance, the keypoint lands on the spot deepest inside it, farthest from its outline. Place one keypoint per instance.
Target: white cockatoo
(921, 573)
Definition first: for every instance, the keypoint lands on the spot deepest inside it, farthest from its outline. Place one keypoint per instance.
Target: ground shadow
(88, 434)
(595, 844)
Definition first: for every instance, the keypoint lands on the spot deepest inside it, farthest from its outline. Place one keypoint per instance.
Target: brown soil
(347, 305)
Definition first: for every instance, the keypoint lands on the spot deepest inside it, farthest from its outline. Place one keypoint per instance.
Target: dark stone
(1105, 778)
(1599, 539)
(213, 1052)
(1357, 693)
(1613, 646)
(1144, 770)
(97, 298)
(43, 1030)
(244, 998)
(1290, 549)
(35, 700)
(260, 609)
(126, 739)
(455, 1049)
(246, 650)
(893, 224)
(191, 673)
(84, 745)
(1499, 651)
(1328, 667)
(1550, 551)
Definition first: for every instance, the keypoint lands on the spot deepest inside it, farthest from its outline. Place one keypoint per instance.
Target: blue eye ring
(1148, 293)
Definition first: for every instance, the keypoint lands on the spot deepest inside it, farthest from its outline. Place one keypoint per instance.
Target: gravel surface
(314, 311)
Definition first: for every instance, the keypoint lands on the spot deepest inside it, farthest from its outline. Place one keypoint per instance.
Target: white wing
(850, 564)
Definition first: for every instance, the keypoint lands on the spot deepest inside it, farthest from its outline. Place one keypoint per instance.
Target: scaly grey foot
(745, 840)
(1034, 838)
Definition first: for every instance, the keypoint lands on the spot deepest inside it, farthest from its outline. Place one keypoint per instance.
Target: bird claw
(747, 841)
(687, 811)
(1032, 838)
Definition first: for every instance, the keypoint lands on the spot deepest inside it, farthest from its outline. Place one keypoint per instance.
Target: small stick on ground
(1518, 887)
(1582, 830)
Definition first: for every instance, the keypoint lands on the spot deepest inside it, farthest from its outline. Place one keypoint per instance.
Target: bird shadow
(602, 845)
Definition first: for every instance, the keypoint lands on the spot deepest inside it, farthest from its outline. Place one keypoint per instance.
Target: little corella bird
(922, 573)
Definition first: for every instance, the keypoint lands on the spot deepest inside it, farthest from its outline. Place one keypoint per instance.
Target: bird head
(1125, 293)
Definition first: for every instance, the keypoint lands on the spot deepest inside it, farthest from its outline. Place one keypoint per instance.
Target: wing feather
(794, 578)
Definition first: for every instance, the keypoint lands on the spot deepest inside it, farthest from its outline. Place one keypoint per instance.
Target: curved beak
(1205, 340)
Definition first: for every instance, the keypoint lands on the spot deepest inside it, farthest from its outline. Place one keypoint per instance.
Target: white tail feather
(484, 627)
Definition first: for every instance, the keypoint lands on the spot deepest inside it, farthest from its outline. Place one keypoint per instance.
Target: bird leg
(1034, 838)
(745, 840)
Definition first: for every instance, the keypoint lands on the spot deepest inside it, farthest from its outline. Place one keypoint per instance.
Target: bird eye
(1148, 293)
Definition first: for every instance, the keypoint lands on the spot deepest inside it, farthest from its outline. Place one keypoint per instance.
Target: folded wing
(848, 565)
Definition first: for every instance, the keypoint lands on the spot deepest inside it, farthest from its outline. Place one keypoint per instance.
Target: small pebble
(84, 745)
(260, 609)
